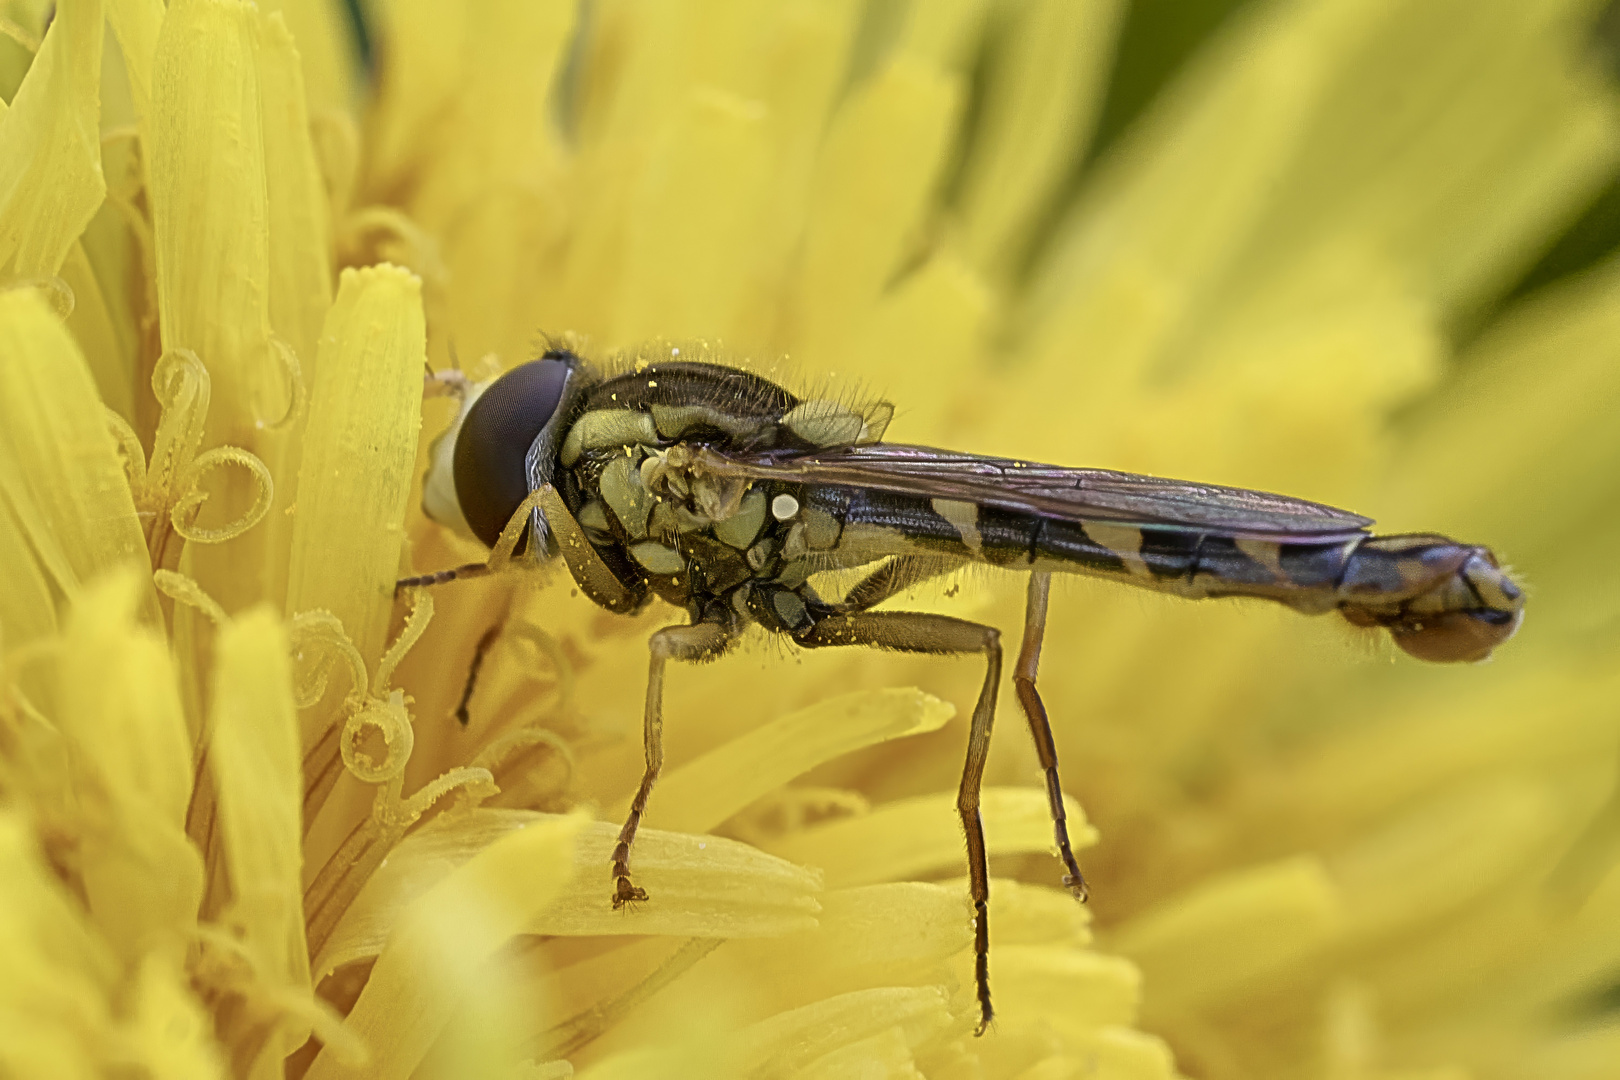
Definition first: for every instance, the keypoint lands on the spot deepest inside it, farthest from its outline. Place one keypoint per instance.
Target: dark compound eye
(491, 479)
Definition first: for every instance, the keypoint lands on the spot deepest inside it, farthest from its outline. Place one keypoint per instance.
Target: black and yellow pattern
(725, 495)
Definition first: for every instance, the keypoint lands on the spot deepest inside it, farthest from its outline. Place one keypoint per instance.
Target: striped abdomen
(1441, 600)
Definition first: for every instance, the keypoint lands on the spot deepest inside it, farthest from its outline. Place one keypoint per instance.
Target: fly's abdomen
(1186, 562)
(880, 523)
(1440, 600)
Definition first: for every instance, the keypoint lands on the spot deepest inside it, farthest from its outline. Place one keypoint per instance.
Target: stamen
(185, 590)
(187, 505)
(297, 392)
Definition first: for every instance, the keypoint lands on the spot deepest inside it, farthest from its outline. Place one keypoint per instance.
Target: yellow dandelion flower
(253, 823)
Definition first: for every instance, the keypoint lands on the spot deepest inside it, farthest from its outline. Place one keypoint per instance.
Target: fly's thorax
(690, 531)
(662, 404)
(633, 458)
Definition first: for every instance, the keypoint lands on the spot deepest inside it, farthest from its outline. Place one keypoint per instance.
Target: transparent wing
(1082, 494)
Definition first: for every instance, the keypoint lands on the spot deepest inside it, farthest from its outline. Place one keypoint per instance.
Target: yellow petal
(300, 253)
(911, 836)
(885, 1055)
(512, 54)
(61, 480)
(27, 606)
(1530, 413)
(696, 206)
(119, 704)
(1119, 1053)
(300, 282)
(1048, 76)
(1233, 931)
(210, 218)
(171, 1032)
(899, 934)
(119, 701)
(256, 761)
(942, 312)
(701, 794)
(439, 950)
(1026, 914)
(878, 166)
(1072, 990)
(685, 1060)
(359, 452)
(700, 886)
(499, 193)
(427, 41)
(50, 146)
(1515, 143)
(330, 58)
(137, 23)
(794, 1039)
(58, 975)
(1156, 231)
(208, 188)
(1429, 863)
(105, 344)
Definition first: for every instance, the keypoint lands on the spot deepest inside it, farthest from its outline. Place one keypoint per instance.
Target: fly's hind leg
(1029, 662)
(915, 632)
(894, 577)
(693, 644)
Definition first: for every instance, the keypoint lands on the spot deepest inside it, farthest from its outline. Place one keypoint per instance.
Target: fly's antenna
(451, 382)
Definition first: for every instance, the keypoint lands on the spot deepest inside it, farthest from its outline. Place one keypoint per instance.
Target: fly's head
(504, 444)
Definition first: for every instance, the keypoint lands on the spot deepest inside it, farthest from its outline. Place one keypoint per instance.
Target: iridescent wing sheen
(1047, 490)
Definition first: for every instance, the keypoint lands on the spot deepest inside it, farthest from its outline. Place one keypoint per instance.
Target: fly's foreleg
(942, 635)
(443, 577)
(1029, 662)
(692, 644)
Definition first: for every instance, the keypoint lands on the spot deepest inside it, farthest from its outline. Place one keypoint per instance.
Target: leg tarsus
(443, 577)
(702, 641)
(485, 642)
(624, 891)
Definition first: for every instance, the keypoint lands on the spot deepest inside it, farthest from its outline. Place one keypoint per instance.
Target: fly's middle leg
(1024, 672)
(915, 632)
(692, 644)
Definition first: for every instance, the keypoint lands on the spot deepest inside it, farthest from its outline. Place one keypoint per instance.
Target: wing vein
(1045, 490)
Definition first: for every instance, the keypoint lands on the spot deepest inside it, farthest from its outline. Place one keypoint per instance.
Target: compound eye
(491, 449)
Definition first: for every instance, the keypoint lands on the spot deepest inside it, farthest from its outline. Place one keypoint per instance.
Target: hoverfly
(724, 494)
